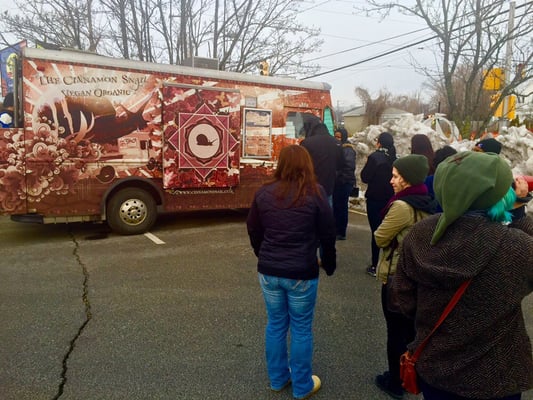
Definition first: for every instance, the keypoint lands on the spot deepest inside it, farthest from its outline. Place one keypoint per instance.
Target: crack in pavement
(88, 316)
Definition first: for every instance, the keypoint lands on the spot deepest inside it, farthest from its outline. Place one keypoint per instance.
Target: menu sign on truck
(257, 133)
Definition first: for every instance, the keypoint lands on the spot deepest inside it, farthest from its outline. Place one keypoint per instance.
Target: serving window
(257, 133)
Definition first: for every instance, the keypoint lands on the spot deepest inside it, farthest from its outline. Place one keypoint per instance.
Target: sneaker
(383, 382)
(371, 270)
(282, 387)
(316, 387)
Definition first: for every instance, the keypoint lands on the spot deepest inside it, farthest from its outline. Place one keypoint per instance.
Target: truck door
(201, 127)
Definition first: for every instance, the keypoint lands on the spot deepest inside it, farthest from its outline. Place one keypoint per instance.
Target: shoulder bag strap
(445, 313)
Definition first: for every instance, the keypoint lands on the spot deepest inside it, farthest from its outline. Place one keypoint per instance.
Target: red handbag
(408, 373)
(408, 360)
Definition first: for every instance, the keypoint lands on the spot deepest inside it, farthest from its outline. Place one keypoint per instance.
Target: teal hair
(500, 211)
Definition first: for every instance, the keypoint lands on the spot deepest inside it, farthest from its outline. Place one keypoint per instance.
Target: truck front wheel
(131, 211)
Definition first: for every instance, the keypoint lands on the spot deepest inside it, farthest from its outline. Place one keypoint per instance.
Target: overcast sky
(343, 28)
(352, 37)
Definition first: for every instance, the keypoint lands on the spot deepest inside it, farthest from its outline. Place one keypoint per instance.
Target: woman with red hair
(289, 219)
(420, 144)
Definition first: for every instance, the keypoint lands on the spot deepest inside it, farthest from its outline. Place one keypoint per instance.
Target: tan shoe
(317, 384)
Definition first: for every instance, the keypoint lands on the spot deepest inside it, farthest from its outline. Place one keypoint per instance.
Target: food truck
(97, 138)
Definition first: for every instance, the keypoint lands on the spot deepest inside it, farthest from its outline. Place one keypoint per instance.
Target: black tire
(131, 211)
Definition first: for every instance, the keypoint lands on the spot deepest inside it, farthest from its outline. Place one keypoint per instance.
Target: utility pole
(183, 31)
(215, 32)
(508, 62)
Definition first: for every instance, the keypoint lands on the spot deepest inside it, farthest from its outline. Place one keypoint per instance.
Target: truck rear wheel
(131, 211)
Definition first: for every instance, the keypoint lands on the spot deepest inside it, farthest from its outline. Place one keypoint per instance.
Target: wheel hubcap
(133, 212)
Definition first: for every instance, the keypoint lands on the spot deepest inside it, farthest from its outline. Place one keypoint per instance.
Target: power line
(394, 50)
(371, 58)
(368, 44)
(315, 6)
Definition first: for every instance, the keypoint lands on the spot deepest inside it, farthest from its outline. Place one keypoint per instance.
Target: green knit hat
(469, 181)
(413, 168)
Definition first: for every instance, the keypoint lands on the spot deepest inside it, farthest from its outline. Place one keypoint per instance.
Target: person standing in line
(482, 349)
(6, 115)
(288, 218)
(377, 174)
(523, 197)
(440, 155)
(309, 121)
(344, 183)
(420, 144)
(326, 156)
(410, 204)
(491, 145)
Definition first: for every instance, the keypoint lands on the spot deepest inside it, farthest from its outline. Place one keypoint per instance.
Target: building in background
(356, 119)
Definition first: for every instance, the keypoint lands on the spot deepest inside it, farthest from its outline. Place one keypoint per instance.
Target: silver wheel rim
(133, 212)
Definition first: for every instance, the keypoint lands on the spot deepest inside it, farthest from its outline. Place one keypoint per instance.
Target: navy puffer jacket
(285, 240)
(347, 173)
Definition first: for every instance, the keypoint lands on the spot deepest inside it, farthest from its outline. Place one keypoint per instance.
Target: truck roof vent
(201, 62)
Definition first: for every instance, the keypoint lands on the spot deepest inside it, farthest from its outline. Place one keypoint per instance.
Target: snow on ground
(517, 145)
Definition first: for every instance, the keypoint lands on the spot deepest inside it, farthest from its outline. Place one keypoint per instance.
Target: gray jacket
(482, 349)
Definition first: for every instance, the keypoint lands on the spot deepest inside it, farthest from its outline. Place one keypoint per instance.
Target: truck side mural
(107, 139)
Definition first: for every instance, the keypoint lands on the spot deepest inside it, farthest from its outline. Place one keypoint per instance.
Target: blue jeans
(290, 304)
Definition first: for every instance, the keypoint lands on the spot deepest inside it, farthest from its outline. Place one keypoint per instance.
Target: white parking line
(153, 238)
(357, 212)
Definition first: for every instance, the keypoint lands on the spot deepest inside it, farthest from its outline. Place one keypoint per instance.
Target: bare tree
(242, 33)
(482, 99)
(119, 9)
(66, 23)
(129, 29)
(265, 30)
(411, 103)
(374, 107)
(472, 36)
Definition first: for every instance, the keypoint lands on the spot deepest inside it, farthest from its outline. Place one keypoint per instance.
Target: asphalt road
(87, 314)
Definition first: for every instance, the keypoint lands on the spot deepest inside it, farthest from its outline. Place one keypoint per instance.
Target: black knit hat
(385, 139)
(413, 168)
(489, 145)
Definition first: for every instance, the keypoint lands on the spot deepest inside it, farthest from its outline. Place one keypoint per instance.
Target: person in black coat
(326, 156)
(377, 174)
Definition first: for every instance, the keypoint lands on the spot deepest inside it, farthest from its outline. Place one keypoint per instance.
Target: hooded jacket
(482, 349)
(326, 155)
(346, 174)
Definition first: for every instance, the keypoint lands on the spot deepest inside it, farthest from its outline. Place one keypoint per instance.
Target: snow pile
(517, 144)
